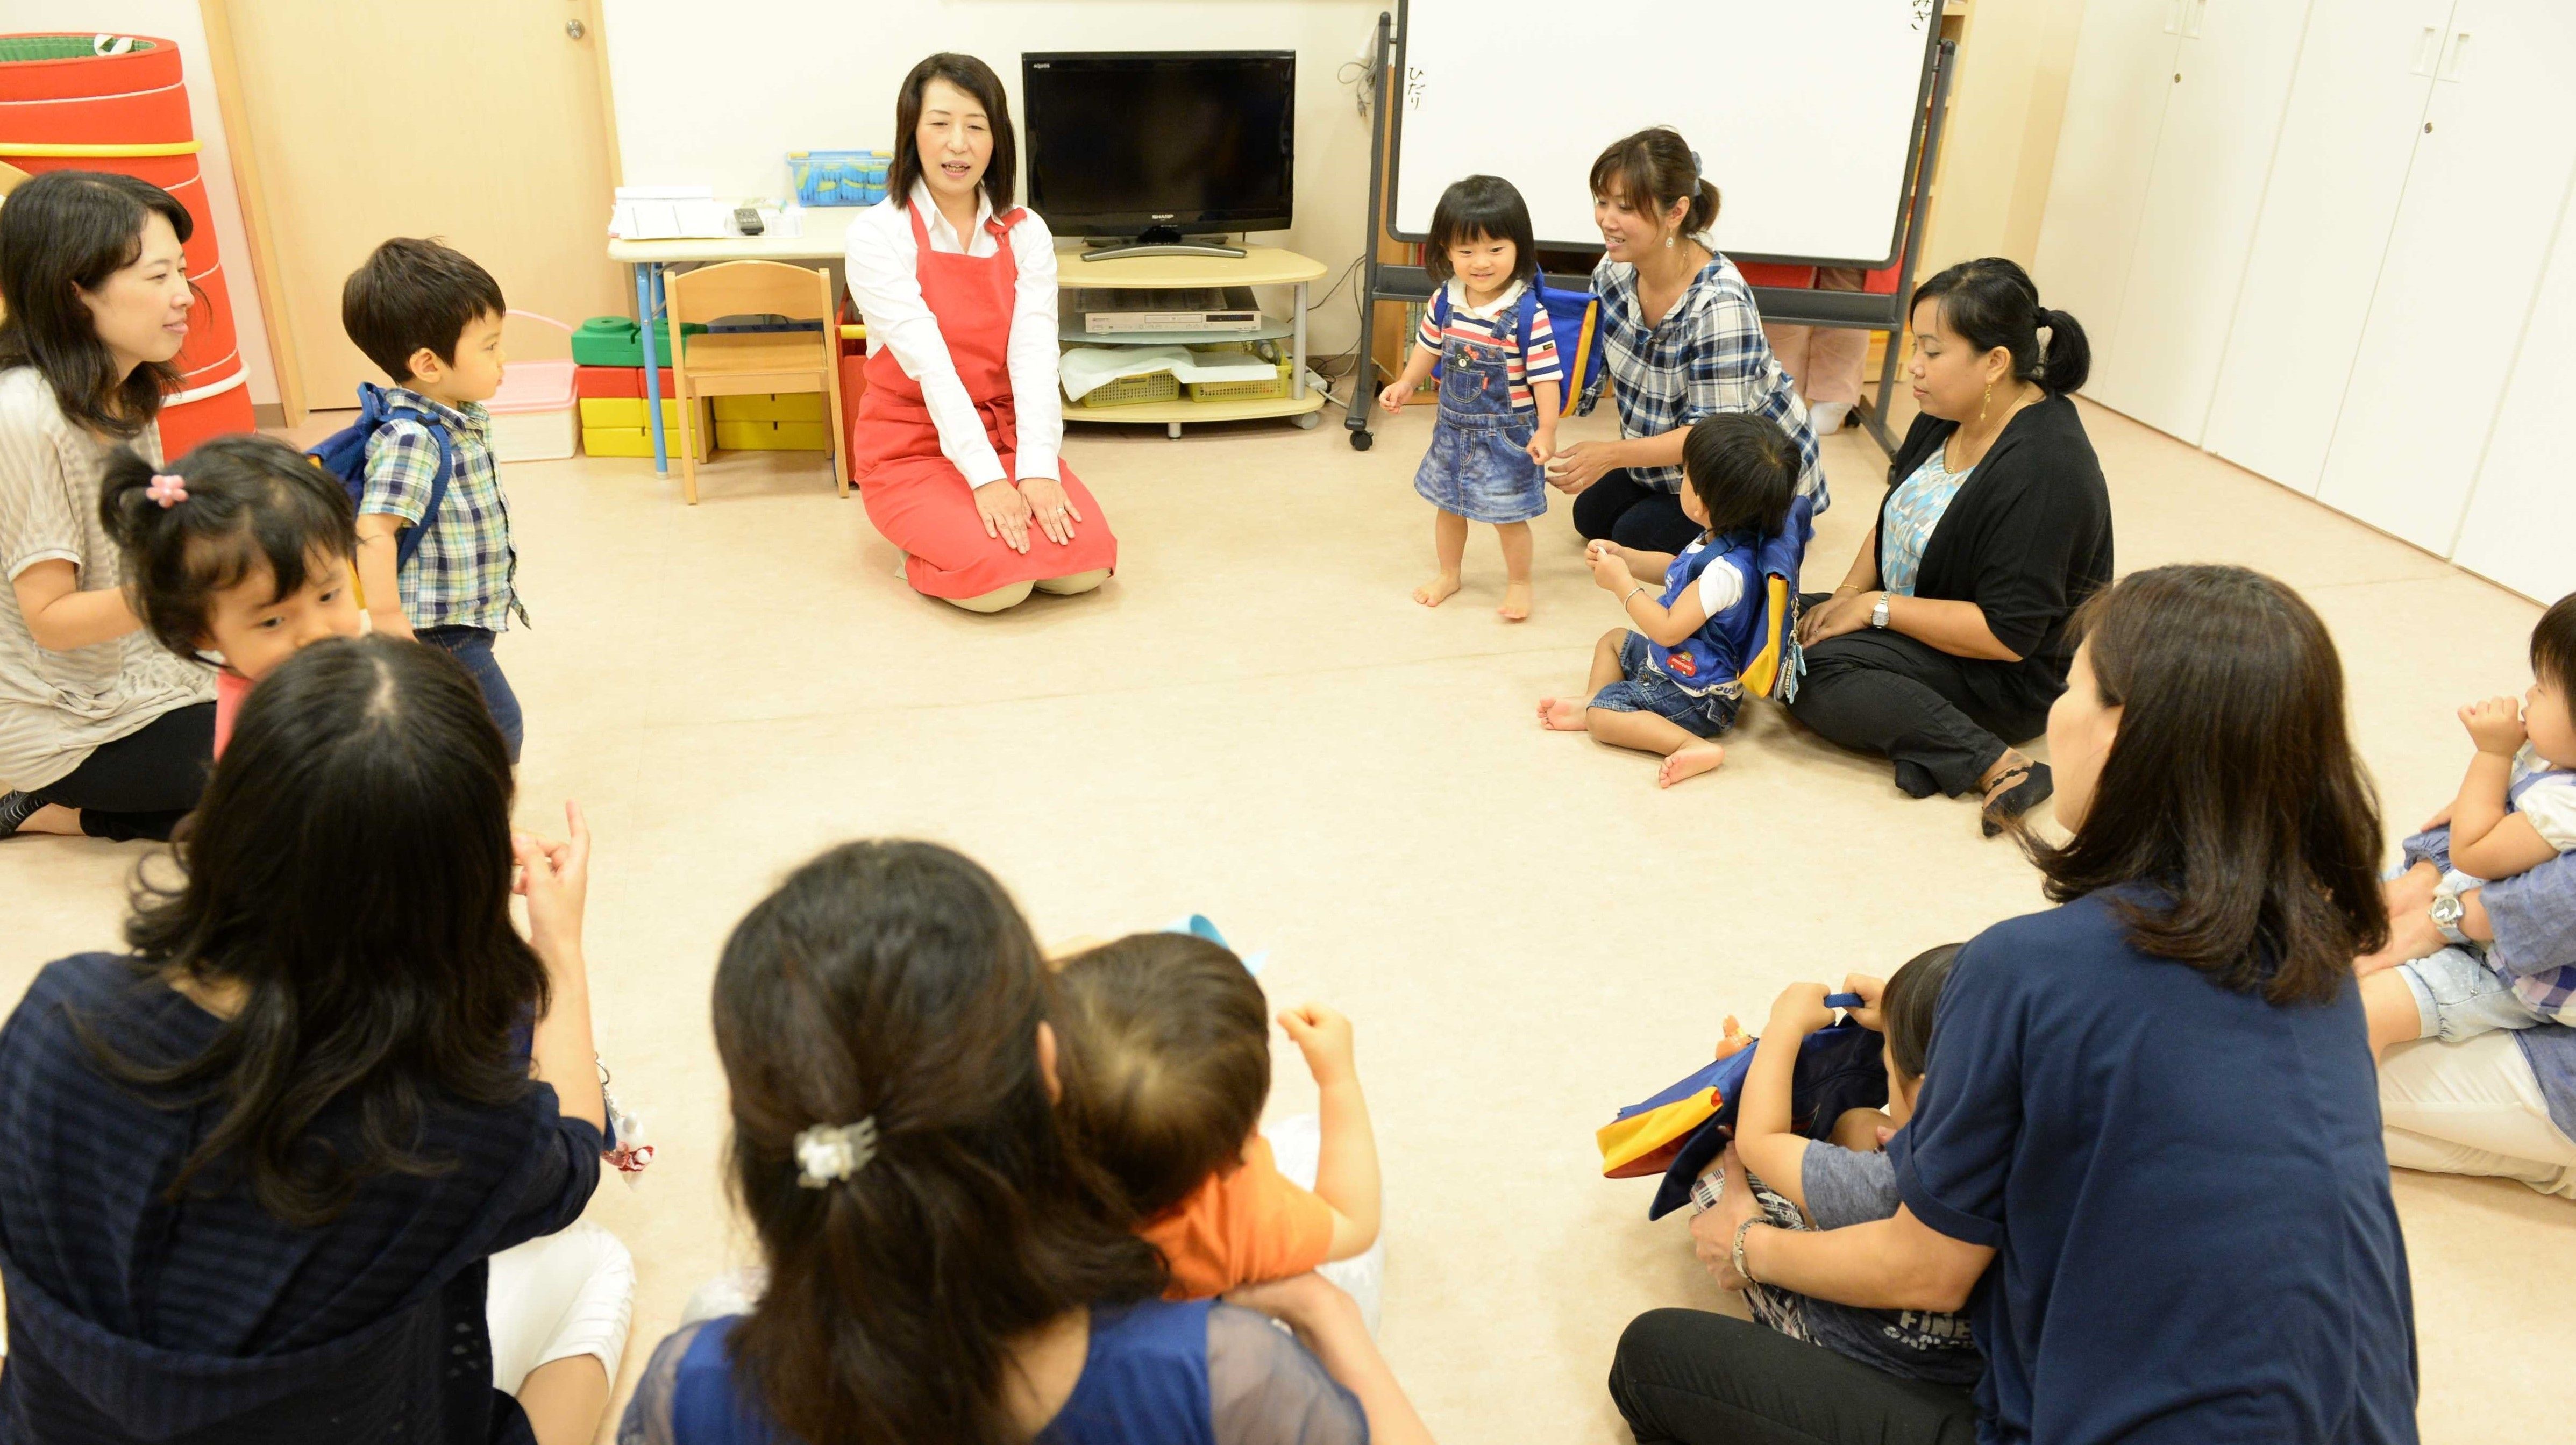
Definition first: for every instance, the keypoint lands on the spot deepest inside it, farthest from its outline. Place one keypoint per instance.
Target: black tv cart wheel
(1361, 439)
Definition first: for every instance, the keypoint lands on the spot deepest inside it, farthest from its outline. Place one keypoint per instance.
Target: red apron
(914, 495)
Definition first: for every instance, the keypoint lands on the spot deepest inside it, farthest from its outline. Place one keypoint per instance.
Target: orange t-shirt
(1241, 1228)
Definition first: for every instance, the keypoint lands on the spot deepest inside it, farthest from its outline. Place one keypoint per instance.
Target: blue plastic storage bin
(838, 178)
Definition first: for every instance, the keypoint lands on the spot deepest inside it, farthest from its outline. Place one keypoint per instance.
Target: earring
(1988, 402)
(1668, 240)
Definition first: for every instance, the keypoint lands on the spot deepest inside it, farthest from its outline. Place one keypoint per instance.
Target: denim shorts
(2458, 997)
(1642, 689)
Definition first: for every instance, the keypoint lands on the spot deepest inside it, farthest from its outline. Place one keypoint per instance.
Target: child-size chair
(755, 362)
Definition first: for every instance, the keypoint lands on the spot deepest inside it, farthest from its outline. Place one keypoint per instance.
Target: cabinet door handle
(2199, 12)
(2459, 56)
(2428, 49)
(2173, 17)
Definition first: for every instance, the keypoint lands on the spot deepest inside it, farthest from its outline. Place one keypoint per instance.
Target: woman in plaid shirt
(1683, 341)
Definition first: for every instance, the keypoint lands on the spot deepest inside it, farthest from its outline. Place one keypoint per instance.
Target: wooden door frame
(253, 200)
(252, 197)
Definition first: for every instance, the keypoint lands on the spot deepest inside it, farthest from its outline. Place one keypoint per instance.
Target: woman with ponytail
(941, 1266)
(1681, 340)
(102, 731)
(1947, 640)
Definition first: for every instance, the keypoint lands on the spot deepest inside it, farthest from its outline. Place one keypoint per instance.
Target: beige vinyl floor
(1254, 721)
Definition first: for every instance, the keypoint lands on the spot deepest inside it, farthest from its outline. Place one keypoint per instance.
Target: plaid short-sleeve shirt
(1708, 355)
(466, 572)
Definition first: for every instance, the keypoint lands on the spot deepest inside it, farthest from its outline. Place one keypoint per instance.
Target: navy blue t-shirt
(2186, 1189)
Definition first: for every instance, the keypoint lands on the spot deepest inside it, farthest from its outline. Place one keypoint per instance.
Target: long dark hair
(350, 869)
(251, 500)
(1909, 1005)
(2231, 786)
(63, 233)
(1002, 172)
(1652, 169)
(895, 982)
(1992, 302)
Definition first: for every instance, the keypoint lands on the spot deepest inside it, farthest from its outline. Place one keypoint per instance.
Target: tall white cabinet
(2333, 270)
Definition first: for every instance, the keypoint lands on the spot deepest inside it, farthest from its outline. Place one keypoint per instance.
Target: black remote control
(746, 219)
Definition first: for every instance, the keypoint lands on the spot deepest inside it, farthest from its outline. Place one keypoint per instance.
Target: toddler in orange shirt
(1165, 1056)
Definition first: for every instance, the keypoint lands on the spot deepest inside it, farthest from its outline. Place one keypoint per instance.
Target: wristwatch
(1878, 614)
(2447, 911)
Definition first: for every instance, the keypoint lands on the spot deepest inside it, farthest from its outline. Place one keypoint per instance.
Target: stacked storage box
(614, 422)
(609, 383)
(797, 421)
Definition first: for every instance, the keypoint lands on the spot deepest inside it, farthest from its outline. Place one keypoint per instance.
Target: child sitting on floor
(1166, 1066)
(1501, 384)
(1850, 1180)
(1672, 686)
(2516, 810)
(241, 554)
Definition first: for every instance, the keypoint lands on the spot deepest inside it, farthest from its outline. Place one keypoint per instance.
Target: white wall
(179, 22)
(718, 94)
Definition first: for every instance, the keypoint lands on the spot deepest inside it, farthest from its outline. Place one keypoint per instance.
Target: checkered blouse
(1707, 356)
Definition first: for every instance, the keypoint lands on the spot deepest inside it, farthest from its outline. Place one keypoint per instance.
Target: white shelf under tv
(1258, 266)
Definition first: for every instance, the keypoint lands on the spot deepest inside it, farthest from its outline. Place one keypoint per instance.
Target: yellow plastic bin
(774, 406)
(773, 436)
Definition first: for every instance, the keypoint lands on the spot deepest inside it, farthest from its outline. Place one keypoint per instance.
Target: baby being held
(1165, 1059)
(2516, 809)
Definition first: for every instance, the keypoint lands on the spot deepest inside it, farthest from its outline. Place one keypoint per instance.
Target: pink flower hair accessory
(168, 488)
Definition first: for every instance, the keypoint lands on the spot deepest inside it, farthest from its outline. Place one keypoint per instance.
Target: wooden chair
(739, 363)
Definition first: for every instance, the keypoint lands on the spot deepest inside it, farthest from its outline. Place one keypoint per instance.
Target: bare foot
(1516, 602)
(1561, 714)
(1438, 590)
(1690, 762)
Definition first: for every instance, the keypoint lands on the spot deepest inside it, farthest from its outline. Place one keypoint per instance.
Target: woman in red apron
(954, 449)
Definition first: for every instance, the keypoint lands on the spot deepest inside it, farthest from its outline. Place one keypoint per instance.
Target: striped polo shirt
(1532, 361)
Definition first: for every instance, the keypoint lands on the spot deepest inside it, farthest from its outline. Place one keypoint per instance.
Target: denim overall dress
(1479, 464)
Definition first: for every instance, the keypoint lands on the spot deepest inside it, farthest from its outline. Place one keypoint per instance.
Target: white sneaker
(1827, 417)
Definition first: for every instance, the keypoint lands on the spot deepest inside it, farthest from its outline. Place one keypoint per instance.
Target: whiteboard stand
(1858, 310)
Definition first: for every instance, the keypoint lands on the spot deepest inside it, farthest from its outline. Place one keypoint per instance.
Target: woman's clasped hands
(1007, 510)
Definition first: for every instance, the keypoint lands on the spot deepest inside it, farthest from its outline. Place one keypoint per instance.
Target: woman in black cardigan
(1945, 642)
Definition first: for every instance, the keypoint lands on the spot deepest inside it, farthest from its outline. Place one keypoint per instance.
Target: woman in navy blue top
(257, 1164)
(941, 1267)
(2149, 1110)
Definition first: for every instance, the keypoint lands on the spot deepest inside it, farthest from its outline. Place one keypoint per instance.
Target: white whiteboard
(1802, 111)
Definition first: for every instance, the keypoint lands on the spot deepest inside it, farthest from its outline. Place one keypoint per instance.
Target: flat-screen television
(1159, 144)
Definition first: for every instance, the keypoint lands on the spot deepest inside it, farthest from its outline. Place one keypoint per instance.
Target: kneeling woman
(954, 449)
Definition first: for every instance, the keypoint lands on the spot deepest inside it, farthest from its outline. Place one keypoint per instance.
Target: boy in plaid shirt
(431, 318)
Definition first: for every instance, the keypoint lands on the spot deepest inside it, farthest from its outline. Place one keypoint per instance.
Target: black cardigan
(2027, 538)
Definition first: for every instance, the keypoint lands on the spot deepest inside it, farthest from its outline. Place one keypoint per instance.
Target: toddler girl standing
(1500, 383)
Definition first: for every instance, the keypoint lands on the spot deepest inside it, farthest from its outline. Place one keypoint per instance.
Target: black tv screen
(1121, 143)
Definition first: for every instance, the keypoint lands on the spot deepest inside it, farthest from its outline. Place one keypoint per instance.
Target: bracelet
(1749, 1222)
(1846, 587)
(1631, 597)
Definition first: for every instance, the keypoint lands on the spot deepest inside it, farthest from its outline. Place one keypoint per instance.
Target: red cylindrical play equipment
(64, 106)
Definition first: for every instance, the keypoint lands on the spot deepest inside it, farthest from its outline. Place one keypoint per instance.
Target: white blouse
(884, 282)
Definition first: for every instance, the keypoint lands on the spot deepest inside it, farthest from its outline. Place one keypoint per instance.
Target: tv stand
(1160, 241)
(1257, 266)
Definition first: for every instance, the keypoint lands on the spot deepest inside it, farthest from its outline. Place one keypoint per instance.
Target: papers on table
(1088, 368)
(670, 213)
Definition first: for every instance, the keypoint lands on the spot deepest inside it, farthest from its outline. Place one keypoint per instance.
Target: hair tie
(1695, 170)
(167, 488)
(828, 1152)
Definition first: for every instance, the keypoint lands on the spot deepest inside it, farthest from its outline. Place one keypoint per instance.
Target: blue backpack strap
(407, 546)
(1531, 301)
(1439, 325)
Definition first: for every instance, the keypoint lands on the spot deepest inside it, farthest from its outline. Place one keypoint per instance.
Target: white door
(2523, 511)
(2231, 83)
(2481, 209)
(2356, 110)
(2115, 104)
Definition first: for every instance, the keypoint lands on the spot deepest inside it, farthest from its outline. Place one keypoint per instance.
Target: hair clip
(167, 488)
(829, 1152)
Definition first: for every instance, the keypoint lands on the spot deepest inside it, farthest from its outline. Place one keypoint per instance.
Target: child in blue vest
(1673, 685)
(1501, 384)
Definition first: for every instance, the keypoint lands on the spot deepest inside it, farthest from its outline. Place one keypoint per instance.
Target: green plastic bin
(618, 341)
